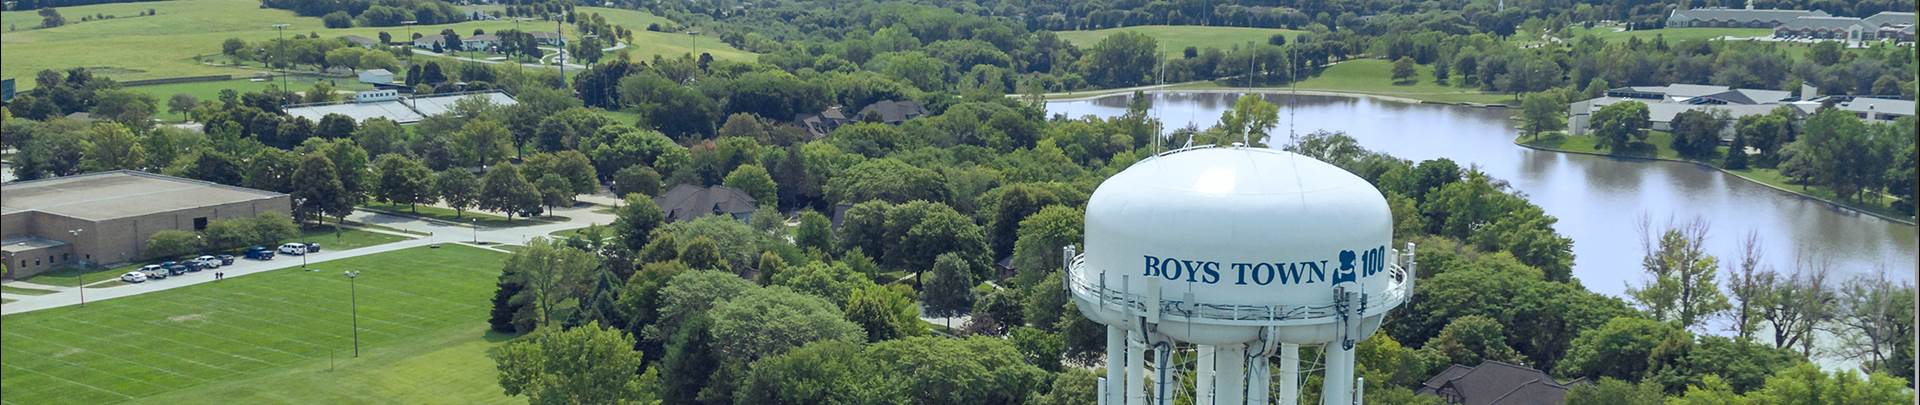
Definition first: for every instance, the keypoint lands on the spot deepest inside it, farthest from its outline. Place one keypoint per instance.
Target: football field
(288, 332)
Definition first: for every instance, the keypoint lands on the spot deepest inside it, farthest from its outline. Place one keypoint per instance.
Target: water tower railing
(1222, 313)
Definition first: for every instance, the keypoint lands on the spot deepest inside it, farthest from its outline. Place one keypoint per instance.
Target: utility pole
(560, 58)
(282, 29)
(354, 296)
(79, 279)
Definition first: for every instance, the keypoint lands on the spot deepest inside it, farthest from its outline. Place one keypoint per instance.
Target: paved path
(578, 217)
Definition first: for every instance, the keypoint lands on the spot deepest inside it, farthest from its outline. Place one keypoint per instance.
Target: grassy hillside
(276, 337)
(1176, 38)
(133, 47)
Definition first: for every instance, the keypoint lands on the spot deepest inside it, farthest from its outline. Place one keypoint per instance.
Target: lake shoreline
(1176, 88)
(1842, 205)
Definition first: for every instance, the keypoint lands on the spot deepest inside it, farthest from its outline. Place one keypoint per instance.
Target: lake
(1598, 200)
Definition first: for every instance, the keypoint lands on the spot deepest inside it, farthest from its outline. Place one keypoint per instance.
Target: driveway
(578, 217)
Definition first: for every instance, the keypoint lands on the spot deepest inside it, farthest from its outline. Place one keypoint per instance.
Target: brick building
(106, 217)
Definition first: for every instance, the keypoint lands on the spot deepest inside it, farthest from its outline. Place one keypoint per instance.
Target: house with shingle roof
(687, 202)
(1496, 383)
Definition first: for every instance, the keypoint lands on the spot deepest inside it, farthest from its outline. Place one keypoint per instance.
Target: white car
(134, 277)
(295, 249)
(208, 261)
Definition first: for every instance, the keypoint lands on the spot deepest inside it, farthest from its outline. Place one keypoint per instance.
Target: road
(578, 216)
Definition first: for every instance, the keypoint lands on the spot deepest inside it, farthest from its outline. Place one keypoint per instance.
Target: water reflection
(1598, 200)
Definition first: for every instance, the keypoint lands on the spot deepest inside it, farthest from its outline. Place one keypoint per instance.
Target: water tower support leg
(1289, 374)
(1338, 385)
(1116, 366)
(1135, 380)
(1259, 379)
(1203, 375)
(1230, 374)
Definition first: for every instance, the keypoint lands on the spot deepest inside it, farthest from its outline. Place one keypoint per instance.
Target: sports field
(1175, 39)
(275, 337)
(163, 45)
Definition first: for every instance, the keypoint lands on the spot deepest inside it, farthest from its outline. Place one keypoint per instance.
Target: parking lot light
(354, 300)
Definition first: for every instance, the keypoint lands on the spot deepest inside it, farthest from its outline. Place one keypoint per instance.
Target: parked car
(155, 272)
(193, 265)
(134, 277)
(259, 253)
(295, 249)
(209, 261)
(313, 247)
(225, 260)
(178, 269)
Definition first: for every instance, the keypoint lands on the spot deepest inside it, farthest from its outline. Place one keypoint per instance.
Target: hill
(1176, 38)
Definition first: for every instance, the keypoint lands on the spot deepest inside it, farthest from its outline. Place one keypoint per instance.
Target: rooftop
(1496, 383)
(687, 201)
(17, 245)
(119, 194)
(1743, 14)
(405, 111)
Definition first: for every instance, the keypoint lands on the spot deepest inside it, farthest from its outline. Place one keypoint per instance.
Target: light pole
(476, 229)
(353, 291)
(695, 35)
(282, 29)
(79, 278)
(560, 58)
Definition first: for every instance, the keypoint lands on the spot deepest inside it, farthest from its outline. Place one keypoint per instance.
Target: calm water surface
(1598, 200)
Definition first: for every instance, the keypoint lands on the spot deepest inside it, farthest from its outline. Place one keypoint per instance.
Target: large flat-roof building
(1666, 102)
(1885, 26)
(393, 106)
(106, 217)
(1733, 17)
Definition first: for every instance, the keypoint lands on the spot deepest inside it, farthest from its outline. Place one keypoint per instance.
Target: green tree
(763, 322)
(173, 243)
(635, 220)
(703, 254)
(318, 190)
(886, 179)
(1619, 349)
(1684, 285)
(484, 142)
(814, 233)
(350, 166)
(755, 182)
(1250, 119)
(458, 189)
(588, 364)
(1120, 60)
(1403, 71)
(975, 370)
(555, 191)
(885, 313)
(1620, 124)
(1042, 235)
(823, 372)
(556, 274)
(112, 147)
(231, 233)
(131, 108)
(400, 180)
(1472, 339)
(1696, 133)
(636, 179)
(949, 290)
(381, 136)
(1610, 391)
(1542, 112)
(182, 103)
(770, 266)
(504, 190)
(1807, 385)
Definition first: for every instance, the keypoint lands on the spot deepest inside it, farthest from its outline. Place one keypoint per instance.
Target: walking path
(577, 217)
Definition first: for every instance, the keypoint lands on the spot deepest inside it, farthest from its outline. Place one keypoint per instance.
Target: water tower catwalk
(1243, 254)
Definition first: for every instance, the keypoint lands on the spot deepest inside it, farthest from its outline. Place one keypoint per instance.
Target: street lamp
(353, 289)
(282, 29)
(476, 229)
(79, 278)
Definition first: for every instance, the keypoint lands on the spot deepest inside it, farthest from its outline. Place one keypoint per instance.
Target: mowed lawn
(1375, 76)
(1174, 39)
(133, 47)
(276, 337)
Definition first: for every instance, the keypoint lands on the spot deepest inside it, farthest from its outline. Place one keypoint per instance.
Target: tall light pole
(353, 291)
(79, 279)
(409, 24)
(560, 58)
(282, 29)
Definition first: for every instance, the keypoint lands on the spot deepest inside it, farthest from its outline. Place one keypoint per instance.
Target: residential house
(547, 38)
(1496, 383)
(819, 125)
(686, 202)
(891, 112)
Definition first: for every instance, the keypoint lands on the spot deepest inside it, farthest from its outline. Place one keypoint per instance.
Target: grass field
(268, 338)
(1658, 145)
(449, 215)
(322, 234)
(23, 291)
(1374, 76)
(1175, 39)
(163, 45)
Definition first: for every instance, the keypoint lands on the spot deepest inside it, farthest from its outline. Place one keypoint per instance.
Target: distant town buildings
(1814, 24)
(1665, 102)
(392, 105)
(1736, 18)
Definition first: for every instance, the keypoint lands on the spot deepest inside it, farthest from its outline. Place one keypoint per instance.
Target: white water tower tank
(1240, 247)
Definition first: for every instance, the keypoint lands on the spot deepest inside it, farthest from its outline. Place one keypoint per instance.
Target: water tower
(1243, 254)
